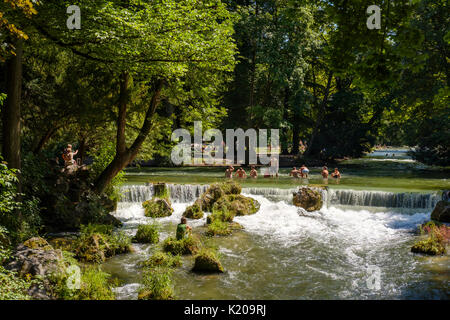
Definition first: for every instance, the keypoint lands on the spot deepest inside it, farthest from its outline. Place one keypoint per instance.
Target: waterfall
(382, 199)
(185, 193)
(181, 193)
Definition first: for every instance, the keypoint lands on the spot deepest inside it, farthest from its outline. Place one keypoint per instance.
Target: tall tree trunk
(11, 112)
(45, 138)
(125, 155)
(320, 115)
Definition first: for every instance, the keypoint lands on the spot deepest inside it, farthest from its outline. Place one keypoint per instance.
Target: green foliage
(157, 208)
(156, 285)
(147, 233)
(13, 287)
(102, 157)
(163, 259)
(187, 245)
(98, 242)
(438, 236)
(218, 228)
(95, 284)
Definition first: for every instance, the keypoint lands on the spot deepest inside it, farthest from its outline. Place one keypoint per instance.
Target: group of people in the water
(302, 172)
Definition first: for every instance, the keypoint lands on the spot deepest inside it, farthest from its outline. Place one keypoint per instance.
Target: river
(286, 253)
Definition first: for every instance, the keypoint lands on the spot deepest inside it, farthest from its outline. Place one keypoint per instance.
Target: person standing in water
(183, 229)
(229, 172)
(336, 174)
(325, 174)
(240, 173)
(253, 173)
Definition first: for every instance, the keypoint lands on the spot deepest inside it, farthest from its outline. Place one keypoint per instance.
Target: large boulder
(308, 199)
(441, 212)
(37, 258)
(157, 208)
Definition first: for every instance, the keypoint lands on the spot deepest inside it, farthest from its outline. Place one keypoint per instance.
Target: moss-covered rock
(206, 260)
(441, 212)
(162, 259)
(37, 243)
(147, 233)
(231, 187)
(157, 208)
(194, 211)
(188, 245)
(307, 198)
(62, 243)
(430, 246)
(98, 242)
(237, 205)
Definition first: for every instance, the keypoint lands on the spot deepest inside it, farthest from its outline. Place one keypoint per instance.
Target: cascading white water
(179, 193)
(292, 253)
(183, 193)
(382, 199)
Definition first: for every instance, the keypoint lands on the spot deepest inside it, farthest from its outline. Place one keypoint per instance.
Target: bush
(162, 259)
(157, 208)
(94, 285)
(12, 286)
(220, 213)
(156, 285)
(147, 233)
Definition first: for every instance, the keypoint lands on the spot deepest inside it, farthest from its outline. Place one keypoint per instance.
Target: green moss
(147, 233)
(231, 187)
(37, 243)
(156, 285)
(207, 260)
(430, 246)
(218, 228)
(93, 246)
(157, 208)
(194, 211)
(161, 191)
(188, 245)
(162, 259)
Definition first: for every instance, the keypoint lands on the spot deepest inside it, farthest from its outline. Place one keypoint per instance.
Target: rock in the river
(194, 211)
(237, 205)
(206, 260)
(308, 199)
(157, 208)
(441, 212)
(37, 258)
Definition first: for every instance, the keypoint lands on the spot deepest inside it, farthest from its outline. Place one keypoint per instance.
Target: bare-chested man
(240, 173)
(253, 173)
(229, 172)
(325, 174)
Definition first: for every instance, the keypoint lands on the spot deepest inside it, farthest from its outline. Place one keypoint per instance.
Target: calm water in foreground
(284, 253)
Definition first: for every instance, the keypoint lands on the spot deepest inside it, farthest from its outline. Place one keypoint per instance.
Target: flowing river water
(287, 253)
